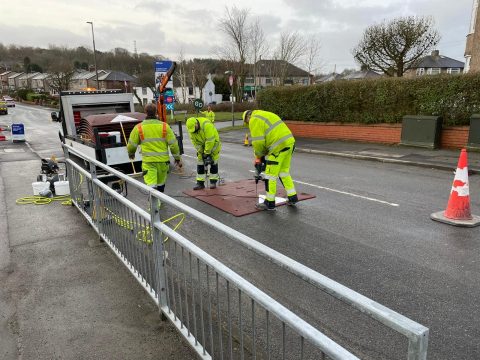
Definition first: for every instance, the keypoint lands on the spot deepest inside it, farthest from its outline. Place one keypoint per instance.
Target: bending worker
(209, 114)
(273, 143)
(155, 138)
(205, 139)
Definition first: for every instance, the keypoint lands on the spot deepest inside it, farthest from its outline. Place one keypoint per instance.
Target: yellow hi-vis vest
(269, 133)
(154, 138)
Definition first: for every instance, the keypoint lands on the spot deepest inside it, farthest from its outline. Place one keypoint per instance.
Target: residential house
(40, 83)
(13, 81)
(25, 80)
(472, 46)
(435, 64)
(270, 72)
(4, 80)
(83, 80)
(327, 78)
(116, 80)
(362, 74)
(144, 93)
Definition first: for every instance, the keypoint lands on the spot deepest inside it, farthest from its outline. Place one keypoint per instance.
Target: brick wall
(454, 137)
(451, 137)
(381, 133)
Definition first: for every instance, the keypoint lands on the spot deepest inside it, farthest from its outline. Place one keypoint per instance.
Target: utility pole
(94, 55)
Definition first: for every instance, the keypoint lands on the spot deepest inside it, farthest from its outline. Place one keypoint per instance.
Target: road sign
(169, 106)
(198, 104)
(230, 80)
(18, 132)
(169, 97)
(161, 68)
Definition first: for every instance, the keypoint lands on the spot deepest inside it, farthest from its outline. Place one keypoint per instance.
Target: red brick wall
(380, 133)
(452, 137)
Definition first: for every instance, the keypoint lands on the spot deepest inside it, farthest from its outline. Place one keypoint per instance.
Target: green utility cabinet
(474, 133)
(422, 131)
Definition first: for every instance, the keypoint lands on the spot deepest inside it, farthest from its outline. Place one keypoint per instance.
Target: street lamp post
(230, 80)
(94, 54)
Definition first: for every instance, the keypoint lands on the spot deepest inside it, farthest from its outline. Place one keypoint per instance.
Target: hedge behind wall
(385, 100)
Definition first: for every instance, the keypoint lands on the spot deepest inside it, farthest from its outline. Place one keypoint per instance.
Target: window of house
(420, 71)
(144, 91)
(453, 71)
(145, 101)
(433, 71)
(190, 90)
(268, 81)
(249, 80)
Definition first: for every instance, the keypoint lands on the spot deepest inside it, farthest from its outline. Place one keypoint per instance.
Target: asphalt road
(368, 228)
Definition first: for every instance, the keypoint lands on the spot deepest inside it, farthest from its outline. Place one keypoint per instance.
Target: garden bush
(453, 97)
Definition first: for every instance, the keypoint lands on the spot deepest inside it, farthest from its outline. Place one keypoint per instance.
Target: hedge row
(385, 100)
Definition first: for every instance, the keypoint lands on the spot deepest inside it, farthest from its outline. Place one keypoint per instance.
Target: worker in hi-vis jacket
(155, 138)
(273, 144)
(205, 139)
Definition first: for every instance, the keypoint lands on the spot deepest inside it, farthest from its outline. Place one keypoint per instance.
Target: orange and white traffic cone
(458, 208)
(245, 141)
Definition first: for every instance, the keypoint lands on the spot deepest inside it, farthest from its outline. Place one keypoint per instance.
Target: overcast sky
(164, 27)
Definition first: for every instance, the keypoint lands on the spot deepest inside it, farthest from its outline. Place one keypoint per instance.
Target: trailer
(98, 124)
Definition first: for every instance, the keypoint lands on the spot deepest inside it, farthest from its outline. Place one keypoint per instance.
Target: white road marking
(344, 193)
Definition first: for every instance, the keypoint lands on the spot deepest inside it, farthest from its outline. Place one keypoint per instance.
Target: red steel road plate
(238, 197)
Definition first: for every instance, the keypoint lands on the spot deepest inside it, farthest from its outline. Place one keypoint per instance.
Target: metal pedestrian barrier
(219, 313)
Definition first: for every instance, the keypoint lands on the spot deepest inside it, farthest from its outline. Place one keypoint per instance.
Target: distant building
(328, 78)
(13, 81)
(472, 47)
(25, 80)
(41, 83)
(362, 74)
(435, 64)
(116, 80)
(4, 80)
(144, 93)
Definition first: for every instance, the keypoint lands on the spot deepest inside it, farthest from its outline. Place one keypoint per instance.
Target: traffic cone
(246, 142)
(458, 208)
(2, 137)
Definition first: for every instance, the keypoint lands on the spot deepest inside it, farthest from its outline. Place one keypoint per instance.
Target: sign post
(18, 132)
(230, 81)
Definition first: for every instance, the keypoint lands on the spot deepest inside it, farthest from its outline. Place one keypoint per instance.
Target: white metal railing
(202, 308)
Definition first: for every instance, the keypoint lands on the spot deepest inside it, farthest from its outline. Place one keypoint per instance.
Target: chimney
(435, 53)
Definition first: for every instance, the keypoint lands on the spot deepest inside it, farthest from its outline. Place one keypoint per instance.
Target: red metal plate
(238, 198)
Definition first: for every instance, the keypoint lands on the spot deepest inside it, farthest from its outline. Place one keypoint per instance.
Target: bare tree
(199, 74)
(258, 47)
(61, 76)
(312, 56)
(395, 46)
(290, 50)
(235, 26)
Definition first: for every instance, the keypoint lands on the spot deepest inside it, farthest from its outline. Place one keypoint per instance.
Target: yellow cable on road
(43, 200)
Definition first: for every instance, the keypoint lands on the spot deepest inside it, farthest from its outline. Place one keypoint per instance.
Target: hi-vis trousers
(279, 166)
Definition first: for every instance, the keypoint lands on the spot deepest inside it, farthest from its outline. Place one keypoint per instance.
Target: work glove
(131, 156)
(178, 163)
(207, 160)
(258, 165)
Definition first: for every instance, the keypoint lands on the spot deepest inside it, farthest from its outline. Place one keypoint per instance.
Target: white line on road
(345, 193)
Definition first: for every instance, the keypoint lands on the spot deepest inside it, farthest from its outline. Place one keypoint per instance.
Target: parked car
(3, 108)
(10, 102)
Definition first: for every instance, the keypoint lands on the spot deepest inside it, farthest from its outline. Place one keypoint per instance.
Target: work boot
(266, 205)
(292, 200)
(213, 185)
(200, 185)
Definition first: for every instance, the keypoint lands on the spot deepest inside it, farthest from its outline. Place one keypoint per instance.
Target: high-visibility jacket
(154, 137)
(269, 133)
(210, 115)
(206, 139)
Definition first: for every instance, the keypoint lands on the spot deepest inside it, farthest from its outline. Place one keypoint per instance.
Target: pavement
(64, 294)
(443, 159)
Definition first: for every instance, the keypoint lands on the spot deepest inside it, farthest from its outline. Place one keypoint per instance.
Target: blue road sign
(169, 106)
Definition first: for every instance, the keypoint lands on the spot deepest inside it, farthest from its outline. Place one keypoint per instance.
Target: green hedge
(385, 100)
